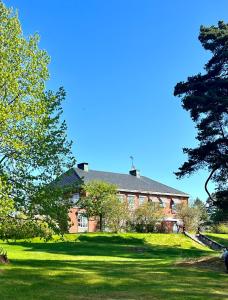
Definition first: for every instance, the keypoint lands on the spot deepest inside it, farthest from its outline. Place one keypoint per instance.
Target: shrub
(220, 228)
(147, 217)
(116, 215)
(20, 229)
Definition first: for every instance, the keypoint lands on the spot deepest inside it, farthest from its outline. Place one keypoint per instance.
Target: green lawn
(220, 238)
(105, 266)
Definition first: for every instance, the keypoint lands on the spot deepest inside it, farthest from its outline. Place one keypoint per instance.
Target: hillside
(107, 266)
(220, 238)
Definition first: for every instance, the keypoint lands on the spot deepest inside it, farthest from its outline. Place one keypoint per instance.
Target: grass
(107, 266)
(221, 238)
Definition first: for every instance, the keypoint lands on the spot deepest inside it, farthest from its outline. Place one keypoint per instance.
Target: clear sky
(119, 62)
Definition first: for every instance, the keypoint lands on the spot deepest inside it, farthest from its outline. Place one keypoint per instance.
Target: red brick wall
(73, 220)
(93, 223)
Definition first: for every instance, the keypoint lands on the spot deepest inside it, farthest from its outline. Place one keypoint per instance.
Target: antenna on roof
(132, 163)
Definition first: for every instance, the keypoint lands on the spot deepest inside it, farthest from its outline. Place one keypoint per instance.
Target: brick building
(132, 188)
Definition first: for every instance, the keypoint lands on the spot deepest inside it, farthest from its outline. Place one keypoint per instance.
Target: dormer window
(75, 198)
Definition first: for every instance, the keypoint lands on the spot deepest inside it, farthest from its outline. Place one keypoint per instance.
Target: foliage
(6, 202)
(220, 228)
(117, 215)
(201, 215)
(221, 238)
(95, 199)
(34, 149)
(146, 217)
(205, 96)
(194, 216)
(24, 228)
(216, 214)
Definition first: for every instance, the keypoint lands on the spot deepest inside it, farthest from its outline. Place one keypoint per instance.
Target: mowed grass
(221, 238)
(108, 266)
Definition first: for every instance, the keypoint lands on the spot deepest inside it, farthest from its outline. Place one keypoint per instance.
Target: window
(161, 203)
(82, 221)
(142, 200)
(173, 206)
(131, 201)
(121, 197)
(154, 200)
(75, 198)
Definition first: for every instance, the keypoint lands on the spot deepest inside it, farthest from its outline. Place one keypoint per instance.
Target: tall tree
(96, 198)
(117, 215)
(33, 145)
(205, 96)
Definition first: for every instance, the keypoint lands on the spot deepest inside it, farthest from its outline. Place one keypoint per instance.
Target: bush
(20, 229)
(116, 215)
(147, 217)
(220, 228)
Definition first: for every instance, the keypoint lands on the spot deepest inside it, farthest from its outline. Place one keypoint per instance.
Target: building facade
(132, 188)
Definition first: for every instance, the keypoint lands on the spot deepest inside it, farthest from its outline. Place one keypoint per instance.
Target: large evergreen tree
(205, 96)
(33, 146)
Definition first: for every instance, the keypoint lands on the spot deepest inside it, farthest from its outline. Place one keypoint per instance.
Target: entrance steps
(204, 241)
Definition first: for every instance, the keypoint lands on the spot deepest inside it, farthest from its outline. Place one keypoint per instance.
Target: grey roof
(124, 182)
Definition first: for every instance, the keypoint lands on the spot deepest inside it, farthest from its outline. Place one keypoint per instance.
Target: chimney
(135, 173)
(84, 166)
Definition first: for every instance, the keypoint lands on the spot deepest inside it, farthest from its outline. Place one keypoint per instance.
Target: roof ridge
(163, 184)
(128, 181)
(103, 171)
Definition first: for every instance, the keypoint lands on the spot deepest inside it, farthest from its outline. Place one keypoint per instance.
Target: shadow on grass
(112, 246)
(42, 279)
(91, 270)
(221, 240)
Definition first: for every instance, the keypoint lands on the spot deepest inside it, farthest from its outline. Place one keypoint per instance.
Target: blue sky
(119, 62)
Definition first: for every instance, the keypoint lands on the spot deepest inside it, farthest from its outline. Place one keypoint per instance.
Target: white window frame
(173, 206)
(162, 203)
(142, 199)
(75, 198)
(82, 221)
(131, 204)
(121, 197)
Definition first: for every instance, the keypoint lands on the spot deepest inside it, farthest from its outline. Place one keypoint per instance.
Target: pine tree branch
(3, 158)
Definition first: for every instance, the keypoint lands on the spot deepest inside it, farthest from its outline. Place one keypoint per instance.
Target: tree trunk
(101, 221)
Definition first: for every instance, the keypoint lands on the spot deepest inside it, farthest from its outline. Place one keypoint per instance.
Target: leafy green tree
(201, 214)
(117, 215)
(146, 216)
(34, 149)
(22, 227)
(95, 199)
(194, 216)
(205, 96)
(187, 215)
(216, 214)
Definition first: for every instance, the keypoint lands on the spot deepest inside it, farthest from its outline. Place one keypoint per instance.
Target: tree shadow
(221, 240)
(147, 279)
(108, 267)
(112, 246)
